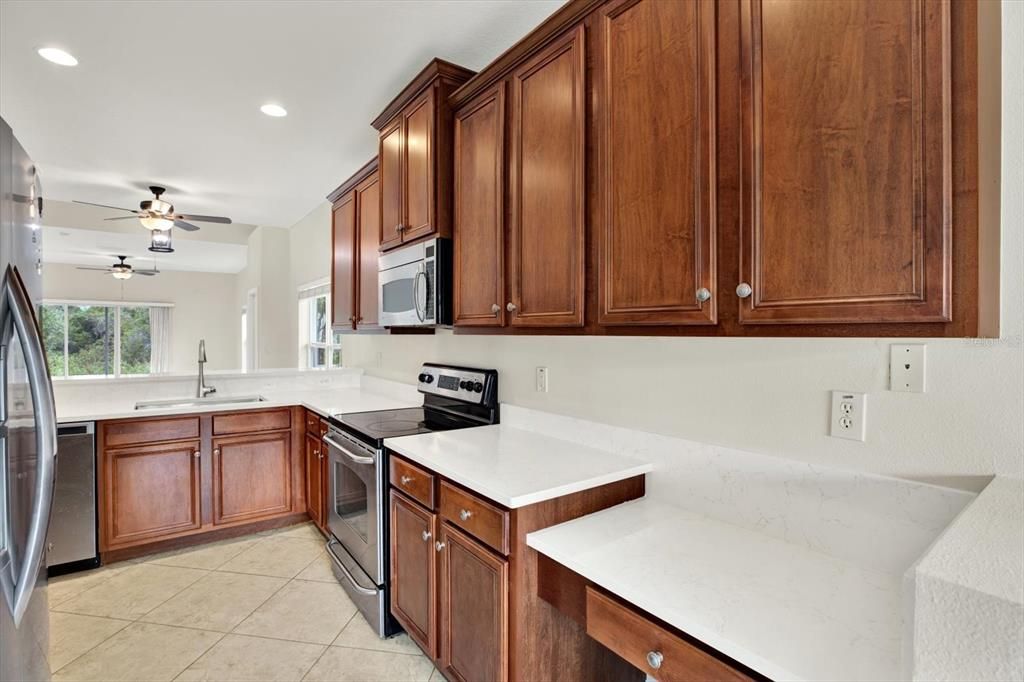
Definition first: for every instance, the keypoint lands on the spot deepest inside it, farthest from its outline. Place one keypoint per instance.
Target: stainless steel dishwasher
(71, 539)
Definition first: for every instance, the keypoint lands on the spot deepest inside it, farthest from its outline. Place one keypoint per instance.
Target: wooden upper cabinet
(414, 571)
(546, 186)
(343, 246)
(479, 172)
(847, 175)
(149, 492)
(391, 171)
(251, 476)
(474, 610)
(356, 225)
(368, 243)
(416, 157)
(654, 112)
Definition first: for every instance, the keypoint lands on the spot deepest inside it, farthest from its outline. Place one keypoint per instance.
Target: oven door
(403, 299)
(355, 498)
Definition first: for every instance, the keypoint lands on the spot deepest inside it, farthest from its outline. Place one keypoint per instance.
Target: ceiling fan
(157, 214)
(122, 270)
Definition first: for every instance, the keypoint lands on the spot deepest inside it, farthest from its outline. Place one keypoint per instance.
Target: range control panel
(464, 383)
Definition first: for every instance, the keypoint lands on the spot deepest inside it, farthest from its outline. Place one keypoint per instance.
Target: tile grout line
(328, 647)
(121, 629)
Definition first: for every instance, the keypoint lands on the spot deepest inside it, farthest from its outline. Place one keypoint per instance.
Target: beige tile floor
(261, 607)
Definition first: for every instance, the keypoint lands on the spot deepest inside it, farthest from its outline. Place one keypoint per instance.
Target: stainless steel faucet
(202, 390)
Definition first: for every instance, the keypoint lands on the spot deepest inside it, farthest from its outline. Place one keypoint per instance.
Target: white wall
(203, 307)
(772, 395)
(269, 272)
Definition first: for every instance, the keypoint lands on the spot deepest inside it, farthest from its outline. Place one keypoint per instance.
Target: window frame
(310, 347)
(116, 339)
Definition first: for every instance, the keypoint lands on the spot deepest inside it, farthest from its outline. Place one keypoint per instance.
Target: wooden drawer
(479, 518)
(315, 426)
(145, 431)
(639, 640)
(249, 422)
(413, 481)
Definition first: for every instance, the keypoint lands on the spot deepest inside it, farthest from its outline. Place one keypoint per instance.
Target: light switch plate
(849, 417)
(906, 368)
(542, 379)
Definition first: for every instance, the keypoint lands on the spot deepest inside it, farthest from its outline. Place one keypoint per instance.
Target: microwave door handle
(416, 295)
(20, 581)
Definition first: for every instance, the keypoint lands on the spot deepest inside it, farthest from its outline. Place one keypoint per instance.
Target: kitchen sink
(199, 402)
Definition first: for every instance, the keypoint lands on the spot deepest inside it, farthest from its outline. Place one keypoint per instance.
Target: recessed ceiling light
(275, 110)
(57, 56)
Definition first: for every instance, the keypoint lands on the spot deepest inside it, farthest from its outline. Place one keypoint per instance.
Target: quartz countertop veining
(515, 467)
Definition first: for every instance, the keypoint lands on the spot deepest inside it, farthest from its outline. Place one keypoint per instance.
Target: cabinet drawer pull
(426, 535)
(703, 294)
(511, 307)
(744, 290)
(405, 480)
(464, 514)
(438, 546)
(655, 659)
(495, 308)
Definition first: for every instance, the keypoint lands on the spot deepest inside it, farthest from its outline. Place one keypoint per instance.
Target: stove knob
(478, 387)
(463, 384)
(428, 378)
(423, 378)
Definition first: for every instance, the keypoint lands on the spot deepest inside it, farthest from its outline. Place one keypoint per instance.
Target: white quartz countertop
(515, 467)
(325, 401)
(783, 609)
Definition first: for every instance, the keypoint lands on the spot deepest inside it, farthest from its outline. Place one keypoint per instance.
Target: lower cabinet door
(414, 571)
(314, 496)
(251, 476)
(150, 491)
(474, 610)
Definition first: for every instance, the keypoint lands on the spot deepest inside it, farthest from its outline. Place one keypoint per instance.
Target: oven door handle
(341, 567)
(358, 459)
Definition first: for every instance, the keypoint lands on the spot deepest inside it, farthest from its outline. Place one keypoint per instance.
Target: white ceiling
(169, 92)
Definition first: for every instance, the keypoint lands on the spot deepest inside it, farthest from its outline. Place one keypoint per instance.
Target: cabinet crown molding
(368, 169)
(437, 69)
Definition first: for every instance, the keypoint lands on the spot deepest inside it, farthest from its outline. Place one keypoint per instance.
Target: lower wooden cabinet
(314, 480)
(414, 571)
(150, 491)
(251, 476)
(474, 609)
(163, 479)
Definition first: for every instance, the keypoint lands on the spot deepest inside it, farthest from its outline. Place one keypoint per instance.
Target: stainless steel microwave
(416, 285)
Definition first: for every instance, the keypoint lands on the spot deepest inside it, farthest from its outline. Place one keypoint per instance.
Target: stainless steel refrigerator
(28, 435)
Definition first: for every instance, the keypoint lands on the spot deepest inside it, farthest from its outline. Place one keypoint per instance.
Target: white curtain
(159, 339)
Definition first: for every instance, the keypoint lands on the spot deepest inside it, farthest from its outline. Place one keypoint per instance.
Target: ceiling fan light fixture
(161, 242)
(156, 223)
(275, 110)
(57, 56)
(122, 274)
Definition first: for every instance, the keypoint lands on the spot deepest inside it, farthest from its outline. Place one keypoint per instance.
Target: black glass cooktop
(404, 422)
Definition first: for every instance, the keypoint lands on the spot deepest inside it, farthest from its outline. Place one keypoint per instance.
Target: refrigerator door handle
(20, 579)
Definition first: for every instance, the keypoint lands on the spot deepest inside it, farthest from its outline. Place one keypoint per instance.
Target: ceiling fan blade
(147, 273)
(97, 269)
(188, 227)
(122, 217)
(204, 218)
(116, 208)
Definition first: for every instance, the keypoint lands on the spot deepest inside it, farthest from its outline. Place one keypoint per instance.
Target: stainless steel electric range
(453, 398)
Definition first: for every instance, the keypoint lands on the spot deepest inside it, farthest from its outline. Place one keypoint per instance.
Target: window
(319, 346)
(103, 339)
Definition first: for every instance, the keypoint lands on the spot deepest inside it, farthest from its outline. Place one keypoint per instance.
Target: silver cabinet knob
(511, 307)
(405, 480)
(195, 453)
(426, 535)
(495, 308)
(399, 227)
(703, 294)
(655, 659)
(464, 514)
(438, 546)
(216, 452)
(743, 290)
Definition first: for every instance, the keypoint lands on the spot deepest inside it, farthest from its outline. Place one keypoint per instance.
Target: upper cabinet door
(846, 184)
(392, 214)
(419, 168)
(480, 211)
(368, 218)
(655, 115)
(343, 262)
(546, 231)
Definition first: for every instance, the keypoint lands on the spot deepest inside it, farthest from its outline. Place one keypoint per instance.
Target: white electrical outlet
(542, 379)
(906, 368)
(849, 415)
